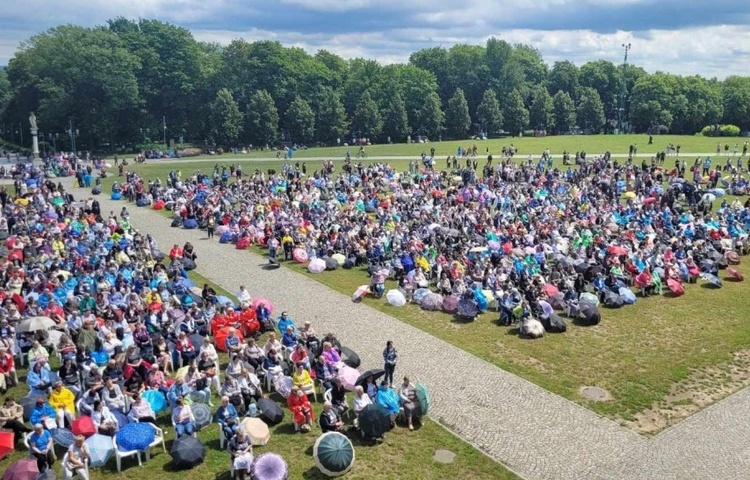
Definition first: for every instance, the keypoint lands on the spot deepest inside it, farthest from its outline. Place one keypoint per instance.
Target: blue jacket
(33, 379)
(285, 322)
(223, 413)
(38, 413)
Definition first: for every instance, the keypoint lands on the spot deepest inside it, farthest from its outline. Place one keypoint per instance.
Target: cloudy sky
(679, 36)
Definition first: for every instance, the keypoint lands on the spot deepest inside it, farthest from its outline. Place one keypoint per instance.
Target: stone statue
(32, 121)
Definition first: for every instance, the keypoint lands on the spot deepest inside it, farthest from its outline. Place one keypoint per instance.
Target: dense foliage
(137, 81)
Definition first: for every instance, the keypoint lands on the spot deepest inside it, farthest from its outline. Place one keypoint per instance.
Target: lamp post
(53, 137)
(73, 134)
(164, 127)
(623, 90)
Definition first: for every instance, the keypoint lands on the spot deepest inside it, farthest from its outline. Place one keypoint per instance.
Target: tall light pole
(164, 125)
(623, 91)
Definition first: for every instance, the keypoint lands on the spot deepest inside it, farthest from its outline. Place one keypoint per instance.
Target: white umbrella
(32, 324)
(256, 429)
(395, 298)
(316, 265)
(360, 292)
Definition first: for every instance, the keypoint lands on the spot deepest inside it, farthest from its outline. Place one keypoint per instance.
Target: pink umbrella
(348, 376)
(264, 301)
(675, 287)
(450, 304)
(649, 200)
(300, 255)
(736, 274)
(24, 469)
(550, 289)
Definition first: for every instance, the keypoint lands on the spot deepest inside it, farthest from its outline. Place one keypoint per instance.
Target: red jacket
(6, 363)
(298, 406)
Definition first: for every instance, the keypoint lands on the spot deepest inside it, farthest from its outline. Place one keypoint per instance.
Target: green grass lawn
(402, 454)
(592, 144)
(638, 353)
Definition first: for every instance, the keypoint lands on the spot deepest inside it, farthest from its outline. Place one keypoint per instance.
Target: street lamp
(623, 90)
(73, 134)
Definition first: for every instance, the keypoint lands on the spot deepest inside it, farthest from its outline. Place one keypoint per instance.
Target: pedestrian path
(537, 434)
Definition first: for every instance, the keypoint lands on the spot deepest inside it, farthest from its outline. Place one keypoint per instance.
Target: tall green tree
(605, 78)
(83, 74)
(367, 120)
(565, 112)
(262, 119)
(590, 112)
(542, 110)
(736, 99)
(431, 117)
(650, 101)
(395, 120)
(515, 115)
(564, 76)
(457, 120)
(5, 92)
(330, 119)
(225, 119)
(488, 113)
(300, 121)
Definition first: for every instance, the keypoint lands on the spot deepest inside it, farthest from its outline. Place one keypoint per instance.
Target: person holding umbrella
(78, 453)
(40, 444)
(11, 418)
(407, 394)
(390, 357)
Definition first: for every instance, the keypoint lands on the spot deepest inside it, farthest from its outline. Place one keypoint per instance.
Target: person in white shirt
(182, 417)
(361, 400)
(243, 296)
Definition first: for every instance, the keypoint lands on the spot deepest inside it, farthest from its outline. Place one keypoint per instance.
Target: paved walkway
(534, 432)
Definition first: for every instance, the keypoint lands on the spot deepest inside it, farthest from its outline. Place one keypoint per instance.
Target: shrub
(528, 133)
(722, 131)
(662, 130)
(729, 130)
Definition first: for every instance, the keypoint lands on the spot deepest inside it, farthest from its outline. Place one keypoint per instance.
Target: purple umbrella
(24, 469)
(269, 466)
(450, 304)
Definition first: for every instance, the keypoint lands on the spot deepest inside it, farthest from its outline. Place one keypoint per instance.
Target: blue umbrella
(712, 279)
(156, 399)
(222, 300)
(63, 437)
(122, 419)
(101, 449)
(135, 436)
(100, 357)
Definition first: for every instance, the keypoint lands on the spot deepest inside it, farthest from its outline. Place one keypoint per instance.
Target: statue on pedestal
(32, 121)
(34, 138)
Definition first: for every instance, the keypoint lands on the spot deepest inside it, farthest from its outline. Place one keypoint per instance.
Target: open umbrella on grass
(270, 411)
(83, 425)
(7, 443)
(256, 430)
(735, 274)
(395, 298)
(187, 452)
(101, 449)
(155, 399)
(712, 279)
(374, 421)
(334, 454)
(675, 287)
(269, 466)
(432, 302)
(316, 265)
(135, 436)
(450, 304)
(24, 469)
(350, 357)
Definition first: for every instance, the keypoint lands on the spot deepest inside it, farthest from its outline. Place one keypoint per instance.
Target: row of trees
(122, 82)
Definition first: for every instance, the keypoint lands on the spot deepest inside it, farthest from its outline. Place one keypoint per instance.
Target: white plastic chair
(222, 437)
(310, 388)
(158, 439)
(174, 426)
(120, 454)
(327, 398)
(65, 462)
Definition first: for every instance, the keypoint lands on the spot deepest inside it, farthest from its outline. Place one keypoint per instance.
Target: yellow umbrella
(629, 195)
(181, 372)
(21, 201)
(256, 430)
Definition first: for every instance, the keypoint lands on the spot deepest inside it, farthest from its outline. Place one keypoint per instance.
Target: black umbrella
(375, 373)
(582, 267)
(270, 411)
(331, 264)
(197, 340)
(374, 421)
(591, 316)
(28, 403)
(187, 452)
(351, 358)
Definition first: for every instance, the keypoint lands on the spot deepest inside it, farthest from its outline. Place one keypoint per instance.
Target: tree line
(131, 82)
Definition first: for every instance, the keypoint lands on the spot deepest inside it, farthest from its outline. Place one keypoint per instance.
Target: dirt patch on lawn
(703, 388)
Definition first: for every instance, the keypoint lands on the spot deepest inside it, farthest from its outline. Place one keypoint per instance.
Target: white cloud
(707, 51)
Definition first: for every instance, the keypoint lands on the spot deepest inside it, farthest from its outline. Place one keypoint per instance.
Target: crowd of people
(121, 321)
(519, 234)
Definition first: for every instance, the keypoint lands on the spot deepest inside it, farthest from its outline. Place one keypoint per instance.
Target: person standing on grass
(390, 357)
(210, 226)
